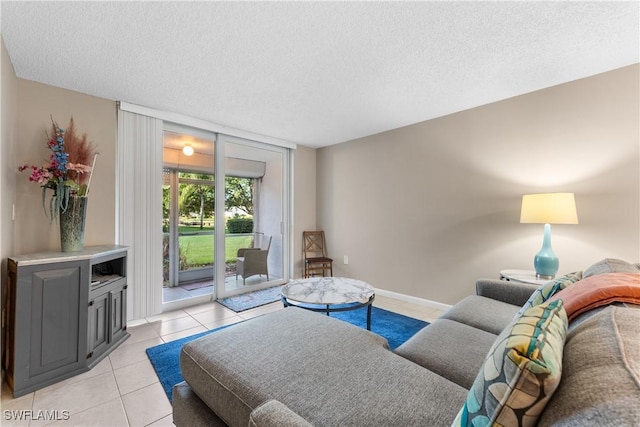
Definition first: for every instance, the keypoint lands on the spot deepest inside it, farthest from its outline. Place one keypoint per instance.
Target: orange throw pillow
(599, 290)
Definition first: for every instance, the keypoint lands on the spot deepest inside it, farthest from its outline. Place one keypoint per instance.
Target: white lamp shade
(549, 208)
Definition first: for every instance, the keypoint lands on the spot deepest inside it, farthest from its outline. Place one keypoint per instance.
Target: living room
(421, 210)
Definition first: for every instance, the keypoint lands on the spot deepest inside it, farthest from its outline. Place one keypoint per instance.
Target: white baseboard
(414, 300)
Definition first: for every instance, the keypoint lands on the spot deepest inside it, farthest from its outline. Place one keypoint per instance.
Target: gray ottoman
(327, 371)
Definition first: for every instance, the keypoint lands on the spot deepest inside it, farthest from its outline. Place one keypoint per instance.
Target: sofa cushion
(546, 291)
(453, 350)
(611, 265)
(482, 313)
(327, 371)
(601, 378)
(596, 291)
(521, 372)
(274, 414)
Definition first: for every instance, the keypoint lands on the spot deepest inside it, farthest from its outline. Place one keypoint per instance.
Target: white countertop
(88, 252)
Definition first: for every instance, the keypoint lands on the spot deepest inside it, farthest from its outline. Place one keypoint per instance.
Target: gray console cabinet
(65, 312)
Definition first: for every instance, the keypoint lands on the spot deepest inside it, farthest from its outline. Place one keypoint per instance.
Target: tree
(196, 195)
(239, 194)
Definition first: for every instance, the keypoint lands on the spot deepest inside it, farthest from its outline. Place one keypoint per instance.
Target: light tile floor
(123, 389)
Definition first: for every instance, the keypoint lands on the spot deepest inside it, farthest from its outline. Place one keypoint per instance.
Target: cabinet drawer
(95, 292)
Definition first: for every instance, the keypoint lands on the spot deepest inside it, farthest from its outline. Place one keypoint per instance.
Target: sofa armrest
(273, 413)
(510, 292)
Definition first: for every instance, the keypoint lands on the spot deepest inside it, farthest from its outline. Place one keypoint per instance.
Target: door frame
(285, 223)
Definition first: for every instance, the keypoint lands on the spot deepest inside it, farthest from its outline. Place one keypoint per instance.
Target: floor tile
(175, 325)
(78, 396)
(15, 417)
(147, 405)
(135, 376)
(259, 311)
(109, 414)
(167, 316)
(223, 322)
(129, 354)
(202, 307)
(386, 301)
(185, 333)
(102, 367)
(141, 333)
(23, 403)
(164, 422)
(136, 322)
(211, 316)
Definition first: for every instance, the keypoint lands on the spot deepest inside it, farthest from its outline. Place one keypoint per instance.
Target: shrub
(240, 225)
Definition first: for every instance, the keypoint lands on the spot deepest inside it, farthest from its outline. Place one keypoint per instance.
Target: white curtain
(139, 210)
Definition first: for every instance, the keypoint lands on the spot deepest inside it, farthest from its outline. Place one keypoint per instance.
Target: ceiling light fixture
(187, 150)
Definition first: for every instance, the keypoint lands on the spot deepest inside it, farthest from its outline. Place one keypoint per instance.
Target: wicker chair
(252, 261)
(314, 251)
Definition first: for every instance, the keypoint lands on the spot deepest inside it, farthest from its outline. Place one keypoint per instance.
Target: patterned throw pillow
(544, 292)
(521, 372)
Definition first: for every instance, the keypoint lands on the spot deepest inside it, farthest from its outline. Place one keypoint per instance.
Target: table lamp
(547, 209)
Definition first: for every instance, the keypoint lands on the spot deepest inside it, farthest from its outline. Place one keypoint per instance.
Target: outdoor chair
(314, 251)
(252, 261)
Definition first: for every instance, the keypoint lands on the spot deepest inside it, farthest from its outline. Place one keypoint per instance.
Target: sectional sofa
(567, 353)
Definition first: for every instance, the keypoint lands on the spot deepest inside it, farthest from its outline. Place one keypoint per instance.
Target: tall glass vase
(72, 224)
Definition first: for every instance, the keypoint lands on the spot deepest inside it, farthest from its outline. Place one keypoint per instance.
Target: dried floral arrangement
(69, 168)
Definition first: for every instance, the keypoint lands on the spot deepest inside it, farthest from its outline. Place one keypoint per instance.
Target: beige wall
(97, 117)
(426, 209)
(8, 134)
(8, 130)
(304, 201)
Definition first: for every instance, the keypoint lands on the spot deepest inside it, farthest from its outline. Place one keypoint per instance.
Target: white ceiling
(316, 73)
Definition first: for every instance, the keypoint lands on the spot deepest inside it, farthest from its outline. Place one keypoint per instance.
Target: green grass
(199, 249)
(196, 229)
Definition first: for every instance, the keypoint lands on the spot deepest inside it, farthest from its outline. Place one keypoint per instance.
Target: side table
(522, 276)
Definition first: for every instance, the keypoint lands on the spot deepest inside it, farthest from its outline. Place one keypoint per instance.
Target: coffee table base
(333, 308)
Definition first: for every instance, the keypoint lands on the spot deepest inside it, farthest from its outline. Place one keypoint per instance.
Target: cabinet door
(56, 316)
(98, 325)
(118, 312)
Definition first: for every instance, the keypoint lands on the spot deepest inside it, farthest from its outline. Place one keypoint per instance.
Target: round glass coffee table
(329, 295)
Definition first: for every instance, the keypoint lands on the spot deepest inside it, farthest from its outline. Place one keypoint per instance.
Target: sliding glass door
(256, 215)
(188, 212)
(228, 193)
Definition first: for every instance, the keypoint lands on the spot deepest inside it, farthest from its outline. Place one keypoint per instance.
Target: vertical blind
(139, 216)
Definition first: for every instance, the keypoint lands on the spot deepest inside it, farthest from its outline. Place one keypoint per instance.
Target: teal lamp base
(546, 262)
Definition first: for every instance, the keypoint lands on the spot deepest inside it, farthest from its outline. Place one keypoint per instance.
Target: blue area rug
(251, 300)
(396, 328)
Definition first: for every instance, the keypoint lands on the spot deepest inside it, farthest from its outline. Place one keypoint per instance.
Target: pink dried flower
(77, 167)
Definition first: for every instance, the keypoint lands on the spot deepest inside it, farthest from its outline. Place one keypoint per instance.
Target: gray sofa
(298, 368)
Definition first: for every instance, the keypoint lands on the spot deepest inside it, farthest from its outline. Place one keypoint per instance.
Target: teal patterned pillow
(544, 292)
(521, 372)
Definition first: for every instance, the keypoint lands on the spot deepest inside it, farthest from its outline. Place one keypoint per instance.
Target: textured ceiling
(316, 73)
